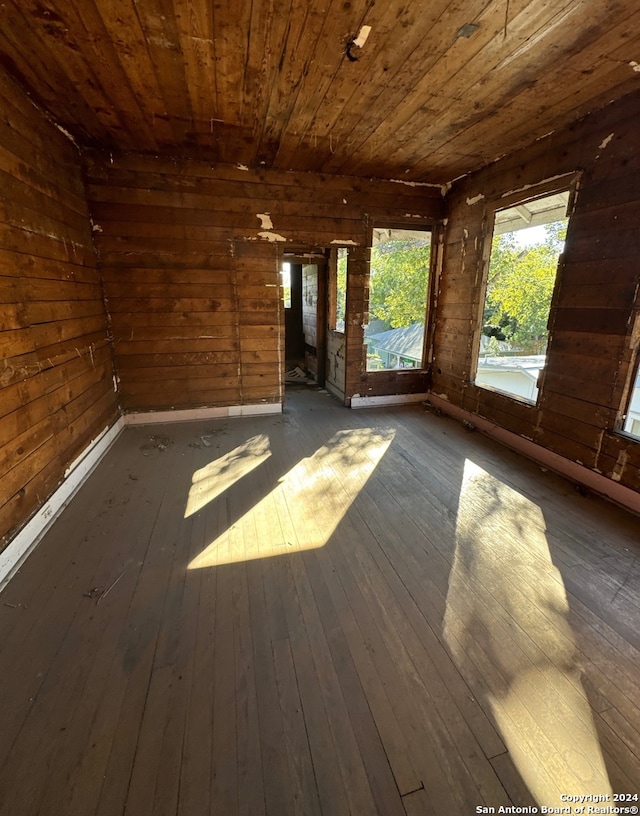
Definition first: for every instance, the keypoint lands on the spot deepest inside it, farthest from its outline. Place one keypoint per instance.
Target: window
(527, 241)
(399, 274)
(631, 419)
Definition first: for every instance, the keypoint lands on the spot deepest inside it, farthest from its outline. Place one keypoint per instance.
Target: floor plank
(326, 612)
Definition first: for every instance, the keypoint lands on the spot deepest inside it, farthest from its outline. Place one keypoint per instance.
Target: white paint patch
(465, 232)
(243, 167)
(444, 189)
(413, 215)
(273, 237)
(163, 42)
(68, 135)
(413, 183)
(265, 221)
(361, 39)
(475, 199)
(621, 462)
(344, 200)
(635, 66)
(96, 228)
(344, 242)
(536, 184)
(606, 141)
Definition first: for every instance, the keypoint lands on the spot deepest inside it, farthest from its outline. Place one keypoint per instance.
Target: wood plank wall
(591, 345)
(185, 247)
(56, 378)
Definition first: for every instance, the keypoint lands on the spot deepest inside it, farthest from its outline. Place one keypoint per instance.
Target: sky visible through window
(527, 241)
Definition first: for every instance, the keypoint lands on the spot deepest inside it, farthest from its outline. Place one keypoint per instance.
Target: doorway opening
(304, 290)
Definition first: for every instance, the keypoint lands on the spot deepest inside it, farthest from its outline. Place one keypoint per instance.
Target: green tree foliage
(398, 287)
(519, 288)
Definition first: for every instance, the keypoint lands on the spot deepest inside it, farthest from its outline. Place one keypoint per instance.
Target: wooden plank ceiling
(438, 89)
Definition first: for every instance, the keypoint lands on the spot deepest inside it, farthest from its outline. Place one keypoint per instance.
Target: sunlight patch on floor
(304, 509)
(215, 478)
(506, 621)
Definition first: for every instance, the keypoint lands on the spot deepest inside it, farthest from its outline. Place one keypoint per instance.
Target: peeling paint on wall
(265, 221)
(635, 66)
(414, 183)
(242, 167)
(606, 141)
(344, 242)
(598, 450)
(616, 475)
(271, 236)
(67, 134)
(361, 39)
(163, 42)
(537, 184)
(475, 199)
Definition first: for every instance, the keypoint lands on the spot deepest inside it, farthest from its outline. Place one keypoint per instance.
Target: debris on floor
(160, 443)
(297, 375)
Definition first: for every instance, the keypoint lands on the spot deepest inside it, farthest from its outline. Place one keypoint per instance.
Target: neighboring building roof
(375, 326)
(531, 365)
(406, 342)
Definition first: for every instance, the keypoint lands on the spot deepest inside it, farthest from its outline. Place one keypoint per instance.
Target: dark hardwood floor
(325, 612)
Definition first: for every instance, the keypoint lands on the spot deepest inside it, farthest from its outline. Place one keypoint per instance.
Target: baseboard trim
(617, 493)
(24, 542)
(194, 414)
(388, 399)
(14, 555)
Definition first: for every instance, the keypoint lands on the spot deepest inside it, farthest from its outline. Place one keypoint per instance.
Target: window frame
(633, 377)
(566, 182)
(332, 289)
(431, 229)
